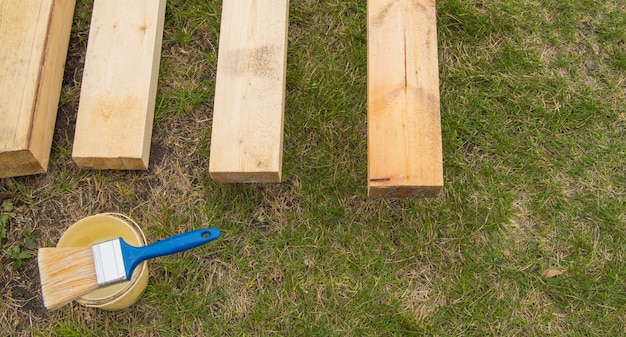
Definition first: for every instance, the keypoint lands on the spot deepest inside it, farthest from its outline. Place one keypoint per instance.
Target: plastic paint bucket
(104, 227)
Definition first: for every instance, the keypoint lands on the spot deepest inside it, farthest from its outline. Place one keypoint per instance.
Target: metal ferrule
(109, 262)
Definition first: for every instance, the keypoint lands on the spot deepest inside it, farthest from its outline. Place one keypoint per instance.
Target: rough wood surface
(247, 133)
(34, 37)
(117, 99)
(404, 123)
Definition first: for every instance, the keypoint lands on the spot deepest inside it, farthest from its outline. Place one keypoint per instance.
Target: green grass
(533, 124)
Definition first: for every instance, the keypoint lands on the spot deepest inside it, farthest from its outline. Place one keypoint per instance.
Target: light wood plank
(247, 133)
(404, 123)
(34, 37)
(117, 99)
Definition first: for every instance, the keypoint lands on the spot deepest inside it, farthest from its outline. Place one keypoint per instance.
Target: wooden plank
(404, 124)
(247, 133)
(117, 99)
(34, 37)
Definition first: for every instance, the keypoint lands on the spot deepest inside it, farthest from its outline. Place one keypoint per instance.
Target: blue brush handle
(175, 244)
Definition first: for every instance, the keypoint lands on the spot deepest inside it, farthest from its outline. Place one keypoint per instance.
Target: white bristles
(66, 274)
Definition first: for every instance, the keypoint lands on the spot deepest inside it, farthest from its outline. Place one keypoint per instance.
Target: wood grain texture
(34, 37)
(247, 133)
(118, 93)
(404, 124)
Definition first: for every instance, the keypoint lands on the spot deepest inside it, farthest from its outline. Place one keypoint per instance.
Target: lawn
(534, 139)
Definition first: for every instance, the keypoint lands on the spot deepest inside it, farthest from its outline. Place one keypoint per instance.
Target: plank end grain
(112, 163)
(247, 177)
(19, 163)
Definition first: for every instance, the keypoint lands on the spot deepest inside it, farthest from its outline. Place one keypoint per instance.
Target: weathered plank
(34, 37)
(117, 99)
(404, 123)
(247, 132)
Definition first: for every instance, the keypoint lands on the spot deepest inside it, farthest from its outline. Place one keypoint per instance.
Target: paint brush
(68, 273)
